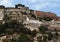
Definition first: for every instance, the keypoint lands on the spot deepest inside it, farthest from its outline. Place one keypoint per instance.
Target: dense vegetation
(25, 34)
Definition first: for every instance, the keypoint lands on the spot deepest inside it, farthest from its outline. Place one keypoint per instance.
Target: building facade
(21, 12)
(18, 13)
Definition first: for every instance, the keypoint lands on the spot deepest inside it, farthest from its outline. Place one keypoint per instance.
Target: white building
(1, 14)
(32, 24)
(32, 21)
(54, 25)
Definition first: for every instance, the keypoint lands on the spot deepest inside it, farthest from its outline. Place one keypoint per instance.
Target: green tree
(7, 40)
(43, 29)
(56, 34)
(50, 36)
(47, 18)
(45, 39)
(24, 38)
(33, 33)
(39, 39)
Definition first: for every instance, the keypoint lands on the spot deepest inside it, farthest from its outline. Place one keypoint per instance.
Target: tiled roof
(40, 13)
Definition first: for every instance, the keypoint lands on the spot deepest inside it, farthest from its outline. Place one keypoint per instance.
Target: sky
(41, 5)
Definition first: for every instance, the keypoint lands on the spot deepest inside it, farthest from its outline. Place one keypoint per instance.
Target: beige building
(1, 14)
(55, 25)
(19, 13)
